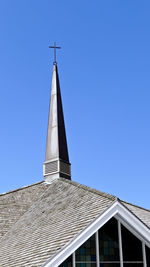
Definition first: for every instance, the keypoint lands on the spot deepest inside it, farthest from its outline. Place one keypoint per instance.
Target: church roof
(38, 221)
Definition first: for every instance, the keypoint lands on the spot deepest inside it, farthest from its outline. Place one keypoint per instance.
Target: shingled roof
(14, 204)
(39, 220)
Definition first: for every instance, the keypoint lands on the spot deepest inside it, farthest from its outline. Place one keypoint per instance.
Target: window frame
(116, 209)
(120, 222)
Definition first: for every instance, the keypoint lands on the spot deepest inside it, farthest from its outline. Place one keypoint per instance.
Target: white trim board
(116, 209)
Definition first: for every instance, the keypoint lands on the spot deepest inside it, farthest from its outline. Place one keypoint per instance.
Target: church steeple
(56, 159)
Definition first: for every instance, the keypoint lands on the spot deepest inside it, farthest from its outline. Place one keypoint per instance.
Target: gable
(112, 245)
(124, 217)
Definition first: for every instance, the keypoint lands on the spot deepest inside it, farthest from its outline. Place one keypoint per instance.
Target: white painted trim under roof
(116, 209)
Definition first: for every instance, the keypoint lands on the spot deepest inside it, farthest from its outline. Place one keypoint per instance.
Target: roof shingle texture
(54, 219)
(15, 203)
(59, 212)
(141, 213)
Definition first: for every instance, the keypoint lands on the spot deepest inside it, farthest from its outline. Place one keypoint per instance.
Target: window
(67, 262)
(85, 265)
(148, 256)
(132, 249)
(109, 264)
(108, 242)
(133, 264)
(86, 254)
(108, 252)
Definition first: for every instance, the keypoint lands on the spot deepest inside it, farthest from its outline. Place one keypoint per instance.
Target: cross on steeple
(55, 47)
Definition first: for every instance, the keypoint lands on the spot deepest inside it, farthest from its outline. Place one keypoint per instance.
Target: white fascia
(116, 209)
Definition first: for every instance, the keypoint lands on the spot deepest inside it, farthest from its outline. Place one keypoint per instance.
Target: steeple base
(55, 169)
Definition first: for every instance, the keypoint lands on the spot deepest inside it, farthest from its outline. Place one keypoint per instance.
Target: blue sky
(104, 67)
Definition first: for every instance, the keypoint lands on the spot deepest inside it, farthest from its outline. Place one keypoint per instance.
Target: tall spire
(56, 159)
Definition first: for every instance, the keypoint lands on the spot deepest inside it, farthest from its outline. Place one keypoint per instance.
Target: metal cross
(55, 47)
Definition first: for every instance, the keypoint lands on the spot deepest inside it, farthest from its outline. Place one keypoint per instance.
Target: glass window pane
(133, 264)
(67, 262)
(109, 264)
(148, 256)
(108, 241)
(85, 264)
(131, 245)
(87, 252)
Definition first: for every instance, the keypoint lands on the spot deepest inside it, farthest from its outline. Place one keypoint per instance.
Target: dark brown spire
(57, 159)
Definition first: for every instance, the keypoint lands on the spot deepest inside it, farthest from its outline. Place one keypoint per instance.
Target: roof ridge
(90, 189)
(134, 205)
(20, 188)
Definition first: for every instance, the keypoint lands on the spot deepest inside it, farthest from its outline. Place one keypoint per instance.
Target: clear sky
(104, 69)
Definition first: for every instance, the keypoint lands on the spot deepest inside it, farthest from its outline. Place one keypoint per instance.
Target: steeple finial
(56, 159)
(55, 47)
